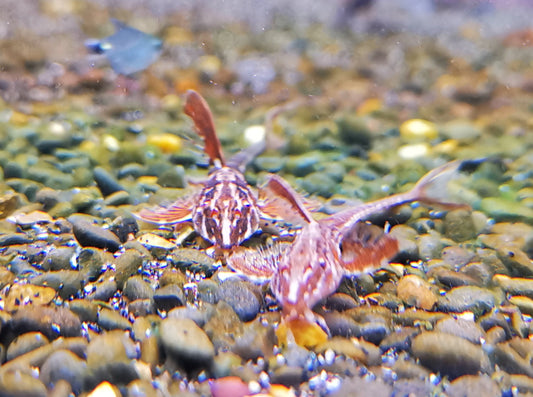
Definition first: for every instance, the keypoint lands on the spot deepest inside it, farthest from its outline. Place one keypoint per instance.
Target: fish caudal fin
(198, 110)
(366, 247)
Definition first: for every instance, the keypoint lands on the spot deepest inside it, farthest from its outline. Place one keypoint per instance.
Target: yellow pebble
(104, 389)
(369, 106)
(418, 130)
(209, 64)
(168, 143)
(447, 147)
(18, 118)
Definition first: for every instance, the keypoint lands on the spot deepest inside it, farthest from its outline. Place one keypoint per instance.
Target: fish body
(226, 211)
(128, 50)
(324, 251)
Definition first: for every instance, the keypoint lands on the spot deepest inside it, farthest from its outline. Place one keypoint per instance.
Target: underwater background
(355, 100)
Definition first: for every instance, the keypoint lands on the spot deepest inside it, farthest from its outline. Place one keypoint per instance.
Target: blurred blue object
(128, 50)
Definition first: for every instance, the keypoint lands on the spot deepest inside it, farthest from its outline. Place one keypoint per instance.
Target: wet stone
(450, 355)
(67, 283)
(106, 182)
(459, 225)
(168, 297)
(25, 343)
(126, 265)
(173, 177)
(51, 322)
(465, 329)
(399, 340)
(141, 307)
(89, 235)
(14, 239)
(288, 376)
(452, 278)
(515, 285)
(63, 364)
(102, 290)
(319, 183)
(509, 360)
(117, 198)
(28, 295)
(339, 302)
(86, 310)
(469, 298)
(414, 291)
(110, 356)
(200, 315)
(124, 227)
(471, 385)
(137, 288)
(20, 384)
(187, 343)
(239, 295)
(59, 259)
(340, 324)
(111, 319)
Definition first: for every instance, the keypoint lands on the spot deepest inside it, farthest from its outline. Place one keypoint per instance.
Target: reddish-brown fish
(311, 268)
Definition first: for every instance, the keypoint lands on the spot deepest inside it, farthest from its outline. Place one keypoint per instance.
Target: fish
(311, 268)
(128, 50)
(226, 211)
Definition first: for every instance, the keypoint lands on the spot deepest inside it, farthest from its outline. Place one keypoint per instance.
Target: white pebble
(409, 152)
(254, 134)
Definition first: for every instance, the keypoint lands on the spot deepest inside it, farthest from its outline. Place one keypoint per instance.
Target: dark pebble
(288, 376)
(450, 355)
(63, 364)
(117, 198)
(111, 319)
(469, 298)
(123, 227)
(102, 290)
(173, 177)
(138, 288)
(126, 265)
(89, 235)
(106, 182)
(339, 302)
(59, 258)
(110, 358)
(52, 322)
(340, 324)
(399, 340)
(141, 307)
(67, 283)
(200, 315)
(14, 239)
(465, 329)
(168, 297)
(85, 309)
(239, 296)
(208, 291)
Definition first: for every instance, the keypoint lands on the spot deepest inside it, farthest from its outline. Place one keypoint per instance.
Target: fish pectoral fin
(178, 212)
(365, 247)
(281, 201)
(256, 264)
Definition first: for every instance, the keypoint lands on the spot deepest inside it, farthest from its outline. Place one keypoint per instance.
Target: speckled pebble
(414, 291)
(475, 299)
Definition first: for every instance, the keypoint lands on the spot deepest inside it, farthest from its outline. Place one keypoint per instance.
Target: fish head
(226, 213)
(310, 271)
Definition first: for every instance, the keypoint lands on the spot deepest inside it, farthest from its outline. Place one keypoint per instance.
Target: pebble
(240, 296)
(63, 364)
(166, 142)
(89, 235)
(24, 295)
(400, 340)
(416, 130)
(185, 342)
(174, 177)
(459, 226)
(20, 384)
(354, 130)
(51, 322)
(24, 343)
(511, 361)
(449, 354)
(59, 259)
(111, 319)
(505, 210)
(472, 385)
(515, 285)
(110, 357)
(468, 298)
(168, 297)
(465, 329)
(319, 183)
(414, 291)
(137, 288)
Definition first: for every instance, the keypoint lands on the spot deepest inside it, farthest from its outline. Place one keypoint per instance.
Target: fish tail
(198, 110)
(432, 188)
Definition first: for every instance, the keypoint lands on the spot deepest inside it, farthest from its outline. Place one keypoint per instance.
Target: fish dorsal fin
(198, 110)
(281, 201)
(365, 247)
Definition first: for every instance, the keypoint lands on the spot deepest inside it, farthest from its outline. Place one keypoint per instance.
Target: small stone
(52, 322)
(168, 297)
(416, 130)
(450, 355)
(63, 364)
(472, 385)
(137, 288)
(166, 142)
(414, 291)
(524, 303)
(173, 177)
(187, 343)
(25, 343)
(354, 130)
(465, 329)
(28, 295)
(89, 235)
(469, 298)
(20, 384)
(505, 210)
(515, 285)
(60, 258)
(14, 239)
(111, 319)
(320, 184)
(106, 182)
(239, 295)
(459, 226)
(399, 340)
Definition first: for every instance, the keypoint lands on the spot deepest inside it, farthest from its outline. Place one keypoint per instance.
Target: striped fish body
(227, 212)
